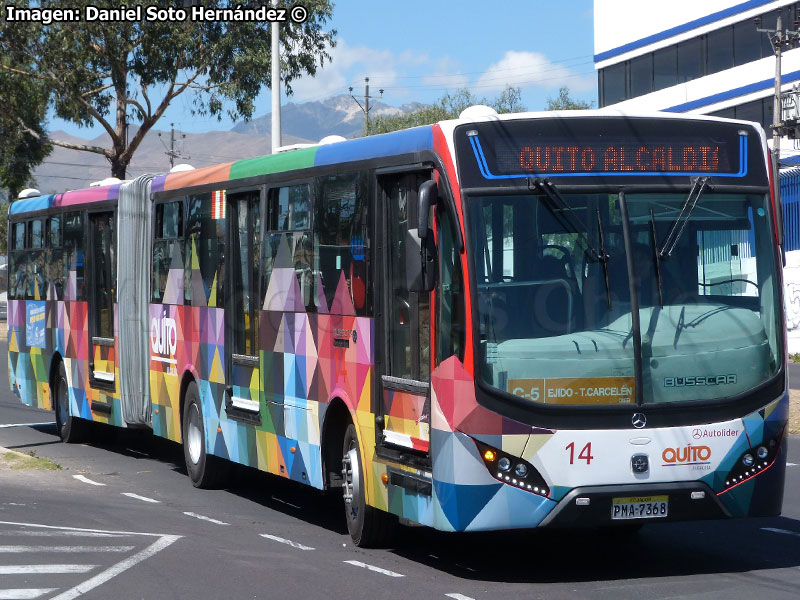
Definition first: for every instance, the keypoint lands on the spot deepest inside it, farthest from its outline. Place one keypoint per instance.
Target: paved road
(154, 536)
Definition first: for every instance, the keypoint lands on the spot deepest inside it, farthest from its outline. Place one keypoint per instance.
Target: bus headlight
(752, 462)
(512, 470)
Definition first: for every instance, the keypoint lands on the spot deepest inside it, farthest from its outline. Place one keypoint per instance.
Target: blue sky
(418, 50)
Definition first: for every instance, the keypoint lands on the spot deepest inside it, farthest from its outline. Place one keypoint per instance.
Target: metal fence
(790, 198)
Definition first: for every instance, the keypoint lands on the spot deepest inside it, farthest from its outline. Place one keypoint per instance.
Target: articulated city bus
(556, 319)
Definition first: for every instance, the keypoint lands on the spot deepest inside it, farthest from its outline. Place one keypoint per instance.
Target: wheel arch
(337, 418)
(55, 361)
(186, 380)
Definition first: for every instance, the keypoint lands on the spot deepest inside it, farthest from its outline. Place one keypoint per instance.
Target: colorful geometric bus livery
(431, 455)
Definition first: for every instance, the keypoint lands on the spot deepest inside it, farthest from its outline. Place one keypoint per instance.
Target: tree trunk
(118, 168)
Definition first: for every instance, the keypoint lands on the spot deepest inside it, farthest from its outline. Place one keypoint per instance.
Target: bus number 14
(585, 453)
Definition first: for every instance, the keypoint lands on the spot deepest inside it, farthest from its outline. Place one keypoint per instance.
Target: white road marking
(31, 569)
(66, 533)
(788, 464)
(287, 542)
(54, 549)
(202, 518)
(137, 452)
(87, 480)
(79, 530)
(7, 425)
(24, 594)
(285, 502)
(142, 498)
(358, 563)
(99, 579)
(459, 597)
(784, 531)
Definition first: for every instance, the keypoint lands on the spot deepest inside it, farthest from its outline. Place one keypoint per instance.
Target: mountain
(337, 115)
(307, 122)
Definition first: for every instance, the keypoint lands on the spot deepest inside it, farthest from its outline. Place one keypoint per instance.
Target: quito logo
(163, 335)
(687, 455)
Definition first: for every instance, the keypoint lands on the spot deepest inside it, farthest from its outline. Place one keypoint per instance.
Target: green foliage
(448, 106)
(116, 73)
(564, 102)
(23, 140)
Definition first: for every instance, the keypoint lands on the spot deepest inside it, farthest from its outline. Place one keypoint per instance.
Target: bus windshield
(556, 322)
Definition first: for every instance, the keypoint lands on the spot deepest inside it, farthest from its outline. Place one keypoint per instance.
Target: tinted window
(18, 242)
(751, 111)
(690, 60)
(168, 253)
(614, 84)
(665, 67)
(642, 75)
(290, 208)
(37, 234)
(205, 249)
(54, 230)
(73, 257)
(746, 42)
(342, 245)
(720, 50)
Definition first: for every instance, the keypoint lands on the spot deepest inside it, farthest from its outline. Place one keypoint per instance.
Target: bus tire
(368, 526)
(71, 429)
(204, 471)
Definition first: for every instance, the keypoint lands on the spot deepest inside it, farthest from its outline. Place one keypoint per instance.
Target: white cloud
(532, 70)
(348, 67)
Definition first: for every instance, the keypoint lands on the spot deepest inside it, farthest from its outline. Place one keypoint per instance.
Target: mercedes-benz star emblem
(640, 463)
(639, 420)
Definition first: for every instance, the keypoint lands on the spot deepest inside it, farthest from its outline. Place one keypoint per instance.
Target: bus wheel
(71, 429)
(205, 471)
(368, 526)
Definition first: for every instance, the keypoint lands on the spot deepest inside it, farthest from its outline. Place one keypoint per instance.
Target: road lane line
(286, 503)
(7, 425)
(118, 568)
(783, 531)
(142, 498)
(54, 549)
(459, 597)
(87, 480)
(24, 594)
(67, 533)
(202, 518)
(358, 563)
(788, 464)
(33, 569)
(287, 542)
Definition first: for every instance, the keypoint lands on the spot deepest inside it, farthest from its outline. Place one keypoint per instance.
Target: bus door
(243, 389)
(102, 279)
(403, 352)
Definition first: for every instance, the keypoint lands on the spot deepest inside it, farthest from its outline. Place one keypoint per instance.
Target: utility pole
(366, 108)
(781, 39)
(275, 79)
(172, 153)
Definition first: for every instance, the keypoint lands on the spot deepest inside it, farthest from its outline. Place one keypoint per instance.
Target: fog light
(747, 460)
(762, 452)
(504, 464)
(521, 471)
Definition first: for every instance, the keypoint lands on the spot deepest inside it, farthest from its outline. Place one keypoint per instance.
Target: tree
(564, 102)
(115, 72)
(24, 110)
(448, 106)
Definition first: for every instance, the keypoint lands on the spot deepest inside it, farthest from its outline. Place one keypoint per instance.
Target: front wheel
(205, 471)
(71, 429)
(368, 526)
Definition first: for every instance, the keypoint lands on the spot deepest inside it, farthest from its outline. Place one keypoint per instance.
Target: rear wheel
(71, 429)
(205, 471)
(368, 526)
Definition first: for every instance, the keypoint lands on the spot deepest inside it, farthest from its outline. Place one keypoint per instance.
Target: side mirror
(420, 247)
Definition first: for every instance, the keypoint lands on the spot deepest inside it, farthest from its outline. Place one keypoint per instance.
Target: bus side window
(289, 232)
(55, 258)
(17, 283)
(450, 295)
(342, 241)
(205, 245)
(167, 247)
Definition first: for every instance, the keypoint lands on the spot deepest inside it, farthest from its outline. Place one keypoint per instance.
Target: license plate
(639, 507)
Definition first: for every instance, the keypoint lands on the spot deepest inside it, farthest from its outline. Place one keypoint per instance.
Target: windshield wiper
(675, 234)
(558, 202)
(656, 258)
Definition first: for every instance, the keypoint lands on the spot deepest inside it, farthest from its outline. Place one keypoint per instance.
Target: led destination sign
(632, 150)
(618, 157)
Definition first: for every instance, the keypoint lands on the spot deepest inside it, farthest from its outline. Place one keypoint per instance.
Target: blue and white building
(705, 57)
